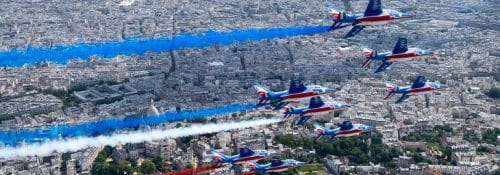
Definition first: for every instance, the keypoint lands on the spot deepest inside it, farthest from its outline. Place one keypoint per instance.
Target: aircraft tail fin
(263, 93)
(419, 82)
(369, 55)
(401, 46)
(391, 89)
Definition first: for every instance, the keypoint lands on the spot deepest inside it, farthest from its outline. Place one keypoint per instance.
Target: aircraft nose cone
(329, 90)
(300, 163)
(429, 52)
(406, 15)
(443, 86)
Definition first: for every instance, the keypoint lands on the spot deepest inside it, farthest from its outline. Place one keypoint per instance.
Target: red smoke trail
(191, 171)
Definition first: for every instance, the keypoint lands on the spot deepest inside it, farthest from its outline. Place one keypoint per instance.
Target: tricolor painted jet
(297, 92)
(401, 52)
(316, 107)
(275, 166)
(246, 155)
(420, 85)
(347, 129)
(374, 15)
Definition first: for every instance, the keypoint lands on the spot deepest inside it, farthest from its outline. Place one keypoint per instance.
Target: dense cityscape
(453, 131)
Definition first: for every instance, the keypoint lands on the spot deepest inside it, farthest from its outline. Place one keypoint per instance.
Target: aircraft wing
(419, 82)
(401, 46)
(303, 119)
(278, 104)
(403, 98)
(383, 66)
(355, 30)
(374, 8)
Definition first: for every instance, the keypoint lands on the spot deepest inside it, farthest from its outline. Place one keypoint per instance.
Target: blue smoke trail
(100, 127)
(62, 54)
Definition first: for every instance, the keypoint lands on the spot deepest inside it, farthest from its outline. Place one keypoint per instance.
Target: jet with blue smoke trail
(75, 144)
(100, 127)
(297, 92)
(62, 54)
(373, 15)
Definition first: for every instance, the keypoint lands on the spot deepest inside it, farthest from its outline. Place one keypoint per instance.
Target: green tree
(147, 167)
(494, 93)
(470, 136)
(323, 148)
(490, 137)
(124, 167)
(100, 168)
(160, 165)
(482, 149)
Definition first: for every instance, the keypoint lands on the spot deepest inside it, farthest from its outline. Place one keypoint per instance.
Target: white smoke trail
(61, 146)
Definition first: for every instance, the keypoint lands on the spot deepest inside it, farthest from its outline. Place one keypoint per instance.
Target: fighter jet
(316, 107)
(297, 92)
(275, 166)
(246, 155)
(347, 129)
(373, 15)
(420, 85)
(401, 52)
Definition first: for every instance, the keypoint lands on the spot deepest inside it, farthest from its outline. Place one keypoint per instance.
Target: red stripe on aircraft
(421, 89)
(375, 18)
(321, 109)
(403, 55)
(301, 95)
(249, 158)
(349, 131)
(280, 167)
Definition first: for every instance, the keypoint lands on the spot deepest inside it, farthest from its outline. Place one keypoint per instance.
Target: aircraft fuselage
(384, 18)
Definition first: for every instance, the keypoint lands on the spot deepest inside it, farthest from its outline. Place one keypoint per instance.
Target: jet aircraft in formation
(347, 129)
(316, 107)
(275, 166)
(420, 85)
(373, 15)
(246, 155)
(401, 52)
(297, 92)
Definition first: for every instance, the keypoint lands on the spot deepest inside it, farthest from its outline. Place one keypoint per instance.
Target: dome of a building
(152, 111)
